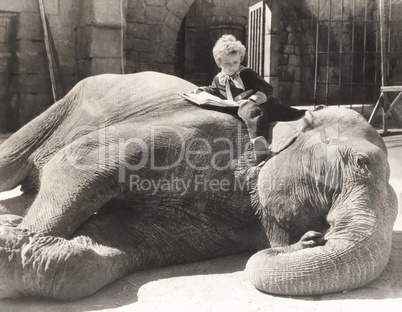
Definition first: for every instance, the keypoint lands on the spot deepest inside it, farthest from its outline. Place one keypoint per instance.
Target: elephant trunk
(356, 251)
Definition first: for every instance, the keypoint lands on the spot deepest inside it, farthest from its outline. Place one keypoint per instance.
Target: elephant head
(332, 179)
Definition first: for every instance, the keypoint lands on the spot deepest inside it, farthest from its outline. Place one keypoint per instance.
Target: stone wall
(152, 28)
(26, 90)
(127, 36)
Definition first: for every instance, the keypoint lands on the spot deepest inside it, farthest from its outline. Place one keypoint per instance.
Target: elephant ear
(284, 134)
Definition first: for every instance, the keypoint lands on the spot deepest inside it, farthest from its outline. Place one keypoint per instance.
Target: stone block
(147, 67)
(155, 2)
(164, 54)
(60, 31)
(178, 8)
(306, 60)
(107, 12)
(287, 73)
(95, 41)
(294, 60)
(295, 98)
(33, 104)
(283, 59)
(3, 34)
(288, 49)
(51, 6)
(274, 82)
(19, 6)
(32, 63)
(307, 93)
(31, 46)
(137, 16)
(155, 15)
(168, 37)
(70, 13)
(298, 74)
(5, 60)
(101, 12)
(143, 31)
(271, 67)
(30, 26)
(172, 21)
(285, 89)
(35, 83)
(283, 36)
(136, 5)
(132, 57)
(105, 65)
(303, 49)
(141, 45)
(164, 68)
(96, 66)
(146, 57)
(291, 38)
(65, 51)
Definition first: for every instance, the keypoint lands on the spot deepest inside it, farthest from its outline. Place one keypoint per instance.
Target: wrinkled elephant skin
(123, 174)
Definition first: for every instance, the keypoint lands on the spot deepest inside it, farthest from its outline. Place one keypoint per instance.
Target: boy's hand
(198, 90)
(258, 98)
(244, 95)
(241, 102)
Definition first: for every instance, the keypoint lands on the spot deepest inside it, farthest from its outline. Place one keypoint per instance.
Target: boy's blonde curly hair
(228, 44)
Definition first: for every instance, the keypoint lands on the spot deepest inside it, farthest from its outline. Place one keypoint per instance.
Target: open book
(205, 98)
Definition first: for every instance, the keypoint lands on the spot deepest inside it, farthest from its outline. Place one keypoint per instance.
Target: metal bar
(385, 104)
(259, 41)
(383, 43)
(364, 54)
(56, 60)
(376, 108)
(353, 49)
(341, 47)
(316, 53)
(328, 50)
(48, 49)
(394, 102)
(264, 21)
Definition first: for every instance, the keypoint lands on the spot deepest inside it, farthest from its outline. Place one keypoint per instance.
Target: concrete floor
(220, 285)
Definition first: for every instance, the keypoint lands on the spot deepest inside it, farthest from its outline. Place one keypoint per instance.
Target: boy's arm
(262, 89)
(212, 89)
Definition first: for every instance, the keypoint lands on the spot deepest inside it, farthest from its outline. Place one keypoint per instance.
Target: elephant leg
(54, 267)
(17, 205)
(72, 189)
(106, 247)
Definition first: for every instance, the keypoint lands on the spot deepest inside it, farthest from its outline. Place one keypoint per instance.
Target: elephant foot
(10, 220)
(12, 241)
(310, 239)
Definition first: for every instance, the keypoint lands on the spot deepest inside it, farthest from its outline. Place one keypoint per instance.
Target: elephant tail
(356, 250)
(16, 150)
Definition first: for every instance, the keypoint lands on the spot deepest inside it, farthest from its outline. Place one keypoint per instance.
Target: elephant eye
(361, 163)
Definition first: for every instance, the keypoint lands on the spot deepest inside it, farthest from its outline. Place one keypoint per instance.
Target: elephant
(123, 174)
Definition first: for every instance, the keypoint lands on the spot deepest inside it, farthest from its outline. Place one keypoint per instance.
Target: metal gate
(347, 50)
(256, 39)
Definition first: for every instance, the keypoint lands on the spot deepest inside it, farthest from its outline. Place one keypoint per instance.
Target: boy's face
(230, 63)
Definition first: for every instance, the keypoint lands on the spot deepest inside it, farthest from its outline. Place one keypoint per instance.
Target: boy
(236, 83)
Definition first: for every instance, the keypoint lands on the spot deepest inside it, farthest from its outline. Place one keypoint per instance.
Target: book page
(202, 97)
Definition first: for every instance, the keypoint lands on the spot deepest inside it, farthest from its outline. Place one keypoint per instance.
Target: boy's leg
(261, 148)
(277, 111)
(253, 116)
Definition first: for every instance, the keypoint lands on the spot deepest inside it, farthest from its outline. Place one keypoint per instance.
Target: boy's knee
(249, 110)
